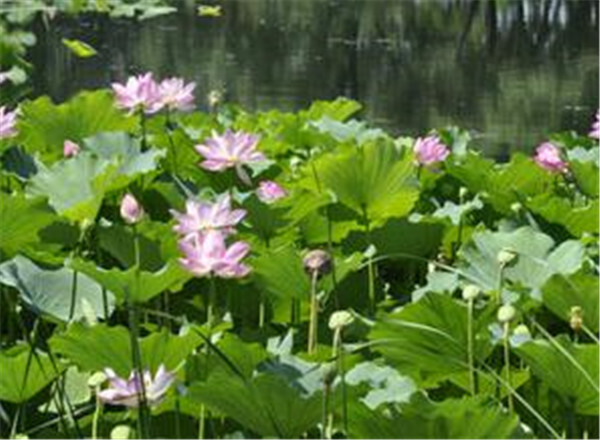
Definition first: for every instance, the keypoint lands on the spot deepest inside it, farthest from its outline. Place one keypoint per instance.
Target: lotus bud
(576, 319)
(506, 313)
(317, 262)
(131, 211)
(70, 148)
(214, 98)
(463, 192)
(96, 379)
(516, 207)
(340, 319)
(470, 292)
(505, 256)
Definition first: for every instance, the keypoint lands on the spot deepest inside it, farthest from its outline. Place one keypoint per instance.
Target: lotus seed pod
(470, 292)
(214, 98)
(576, 319)
(317, 261)
(96, 379)
(506, 313)
(521, 330)
(463, 192)
(340, 319)
(516, 207)
(505, 256)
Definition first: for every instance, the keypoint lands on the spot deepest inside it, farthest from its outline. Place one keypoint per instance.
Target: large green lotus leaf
(345, 131)
(504, 184)
(126, 282)
(44, 126)
(373, 179)
(578, 219)
(49, 291)
(266, 404)
(469, 417)
(572, 370)
(21, 220)
(535, 263)
(100, 346)
(75, 187)
(280, 273)
(587, 177)
(561, 293)
(121, 146)
(430, 336)
(24, 373)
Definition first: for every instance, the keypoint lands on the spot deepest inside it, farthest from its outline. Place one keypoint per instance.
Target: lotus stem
(507, 366)
(97, 412)
(314, 314)
(73, 295)
(590, 334)
(370, 268)
(470, 346)
(325, 411)
(201, 423)
(143, 129)
(212, 303)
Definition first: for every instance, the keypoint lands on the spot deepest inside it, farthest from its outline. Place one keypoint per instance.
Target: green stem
(261, 311)
(325, 411)
(506, 343)
(15, 422)
(212, 303)
(470, 346)
(171, 143)
(314, 314)
(143, 129)
(499, 285)
(97, 413)
(338, 351)
(590, 334)
(370, 268)
(143, 415)
(201, 423)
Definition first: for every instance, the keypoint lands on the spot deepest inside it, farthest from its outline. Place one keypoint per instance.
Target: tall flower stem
(143, 414)
(143, 129)
(97, 413)
(168, 126)
(338, 353)
(370, 268)
(314, 314)
(470, 346)
(507, 366)
(74, 254)
(212, 302)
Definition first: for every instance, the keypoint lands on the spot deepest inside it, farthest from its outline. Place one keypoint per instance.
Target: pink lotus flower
(207, 255)
(8, 122)
(131, 211)
(202, 216)
(230, 150)
(175, 95)
(430, 150)
(547, 155)
(140, 92)
(269, 191)
(595, 133)
(128, 392)
(70, 148)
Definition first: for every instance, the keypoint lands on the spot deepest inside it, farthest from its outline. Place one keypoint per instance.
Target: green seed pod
(576, 318)
(317, 261)
(340, 319)
(505, 256)
(470, 292)
(96, 379)
(120, 432)
(506, 313)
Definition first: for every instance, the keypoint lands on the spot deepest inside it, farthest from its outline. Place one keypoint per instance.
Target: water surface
(510, 70)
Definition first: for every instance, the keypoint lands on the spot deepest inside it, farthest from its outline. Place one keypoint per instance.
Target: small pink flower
(430, 150)
(269, 191)
(140, 92)
(131, 211)
(207, 255)
(8, 122)
(127, 392)
(202, 216)
(595, 133)
(70, 148)
(231, 149)
(547, 155)
(175, 95)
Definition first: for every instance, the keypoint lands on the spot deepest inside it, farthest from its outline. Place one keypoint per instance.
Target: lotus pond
(169, 272)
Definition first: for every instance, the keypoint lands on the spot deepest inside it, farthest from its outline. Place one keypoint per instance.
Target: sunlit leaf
(79, 48)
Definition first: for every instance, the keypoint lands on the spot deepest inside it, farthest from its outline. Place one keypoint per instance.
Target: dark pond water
(510, 70)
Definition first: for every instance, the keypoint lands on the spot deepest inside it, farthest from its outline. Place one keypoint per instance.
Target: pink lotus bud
(595, 133)
(547, 155)
(430, 150)
(70, 148)
(131, 211)
(8, 123)
(269, 191)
